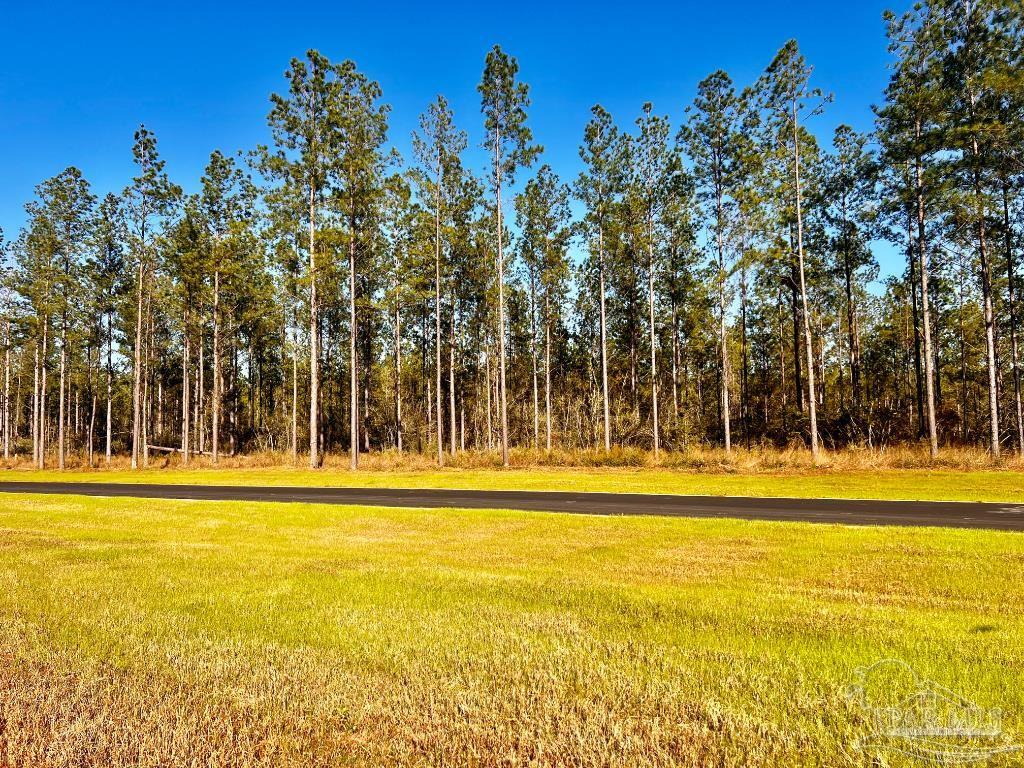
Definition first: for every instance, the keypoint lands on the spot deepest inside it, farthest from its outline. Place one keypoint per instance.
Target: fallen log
(168, 449)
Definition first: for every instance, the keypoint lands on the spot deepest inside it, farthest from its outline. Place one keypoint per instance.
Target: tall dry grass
(755, 460)
(301, 710)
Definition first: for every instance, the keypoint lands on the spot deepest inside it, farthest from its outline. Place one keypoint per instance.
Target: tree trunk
(42, 396)
(7, 390)
(990, 333)
(502, 392)
(199, 428)
(853, 343)
(1011, 291)
(146, 401)
(490, 425)
(353, 453)
(16, 426)
(437, 312)
(92, 429)
(914, 287)
(218, 377)
(798, 378)
(398, 377)
(295, 398)
(547, 369)
(451, 381)
(185, 391)
(533, 359)
(604, 343)
(803, 289)
(654, 342)
(722, 333)
(314, 354)
(61, 409)
(366, 409)
(110, 384)
(160, 431)
(929, 360)
(137, 373)
(675, 361)
(35, 405)
(986, 285)
(233, 388)
(745, 371)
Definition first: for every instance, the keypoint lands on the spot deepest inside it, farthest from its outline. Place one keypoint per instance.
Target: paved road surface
(1009, 517)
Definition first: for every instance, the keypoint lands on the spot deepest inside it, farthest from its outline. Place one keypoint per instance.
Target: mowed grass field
(174, 633)
(910, 484)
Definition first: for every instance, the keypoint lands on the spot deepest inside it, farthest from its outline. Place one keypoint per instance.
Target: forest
(709, 279)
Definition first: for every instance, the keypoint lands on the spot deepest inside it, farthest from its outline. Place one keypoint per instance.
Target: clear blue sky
(79, 77)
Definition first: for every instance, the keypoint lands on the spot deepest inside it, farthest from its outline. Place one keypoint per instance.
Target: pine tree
(543, 218)
(307, 141)
(148, 201)
(655, 166)
(909, 135)
(790, 99)
(400, 219)
(971, 67)
(109, 289)
(711, 136)
(185, 261)
(438, 147)
(849, 197)
(362, 123)
(35, 253)
(7, 310)
(67, 203)
(597, 186)
(503, 102)
(226, 204)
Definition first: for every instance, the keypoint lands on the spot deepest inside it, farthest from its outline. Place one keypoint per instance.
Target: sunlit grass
(194, 633)
(897, 474)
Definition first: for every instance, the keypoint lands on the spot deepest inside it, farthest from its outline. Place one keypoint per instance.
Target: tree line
(709, 281)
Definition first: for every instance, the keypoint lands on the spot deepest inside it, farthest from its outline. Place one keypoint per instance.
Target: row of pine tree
(711, 281)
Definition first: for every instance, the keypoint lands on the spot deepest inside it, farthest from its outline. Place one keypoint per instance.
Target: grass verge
(908, 484)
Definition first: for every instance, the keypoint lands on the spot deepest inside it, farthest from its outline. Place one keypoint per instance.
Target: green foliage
(324, 240)
(503, 101)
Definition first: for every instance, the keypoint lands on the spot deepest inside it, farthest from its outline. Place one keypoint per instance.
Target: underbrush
(755, 460)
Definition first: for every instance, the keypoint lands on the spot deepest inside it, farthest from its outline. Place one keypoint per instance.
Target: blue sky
(79, 77)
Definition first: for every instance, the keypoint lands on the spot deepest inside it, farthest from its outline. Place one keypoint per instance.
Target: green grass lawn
(195, 633)
(916, 484)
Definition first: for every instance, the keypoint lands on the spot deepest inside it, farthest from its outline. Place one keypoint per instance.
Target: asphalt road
(1007, 517)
